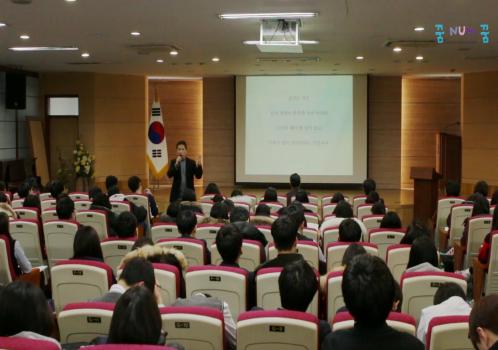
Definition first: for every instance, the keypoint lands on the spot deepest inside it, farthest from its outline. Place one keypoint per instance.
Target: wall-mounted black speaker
(15, 90)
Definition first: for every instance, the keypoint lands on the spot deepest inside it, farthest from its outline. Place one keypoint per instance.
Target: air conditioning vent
(83, 63)
(147, 49)
(411, 43)
(309, 59)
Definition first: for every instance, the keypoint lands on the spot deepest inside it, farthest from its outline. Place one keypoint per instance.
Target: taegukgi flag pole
(157, 149)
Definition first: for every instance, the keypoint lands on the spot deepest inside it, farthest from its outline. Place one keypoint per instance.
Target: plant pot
(82, 184)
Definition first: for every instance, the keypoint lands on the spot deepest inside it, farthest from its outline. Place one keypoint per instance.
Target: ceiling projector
(279, 36)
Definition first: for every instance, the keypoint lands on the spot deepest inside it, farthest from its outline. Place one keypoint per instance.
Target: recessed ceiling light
(159, 60)
(301, 42)
(280, 15)
(42, 48)
(85, 55)
(173, 52)
(135, 33)
(419, 58)
(397, 49)
(359, 58)
(215, 59)
(3, 24)
(24, 36)
(70, 0)
(419, 29)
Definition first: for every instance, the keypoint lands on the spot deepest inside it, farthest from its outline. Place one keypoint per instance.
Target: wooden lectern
(425, 196)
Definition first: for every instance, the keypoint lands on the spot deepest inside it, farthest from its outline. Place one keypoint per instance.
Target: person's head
(136, 319)
(494, 225)
(23, 307)
(239, 214)
(102, 200)
(87, 244)
(181, 149)
(337, 197)
(112, 191)
(262, 210)
(369, 185)
(378, 208)
(219, 211)
(482, 188)
(298, 284)
(189, 195)
(217, 198)
(448, 290)
(5, 225)
(481, 206)
(452, 188)
(111, 181)
(230, 205)
(423, 250)
(343, 210)
(212, 188)
(349, 231)
(186, 221)
(56, 189)
(138, 271)
(372, 197)
(368, 288)
(31, 201)
(416, 229)
(352, 251)
(270, 195)
(391, 220)
(236, 192)
(284, 233)
(64, 207)
(134, 184)
(142, 241)
(494, 198)
(296, 212)
(229, 243)
(4, 198)
(93, 192)
(302, 197)
(126, 225)
(483, 322)
(24, 189)
(295, 180)
(173, 209)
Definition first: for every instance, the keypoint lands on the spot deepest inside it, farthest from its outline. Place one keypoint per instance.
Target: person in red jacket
(485, 251)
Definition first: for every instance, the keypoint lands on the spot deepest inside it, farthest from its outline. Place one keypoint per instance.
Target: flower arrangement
(83, 161)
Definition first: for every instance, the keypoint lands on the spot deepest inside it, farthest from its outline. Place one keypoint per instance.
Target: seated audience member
(482, 188)
(136, 319)
(136, 272)
(24, 313)
(481, 207)
(342, 211)
(212, 188)
(351, 251)
(239, 214)
(229, 245)
(230, 205)
(238, 196)
(485, 250)
(171, 212)
(24, 189)
(483, 323)
(32, 201)
(93, 192)
(141, 242)
(452, 188)
(284, 233)
(20, 262)
(126, 225)
(337, 197)
(378, 208)
(135, 186)
(186, 221)
(302, 197)
(369, 288)
(298, 285)
(217, 198)
(296, 212)
(189, 196)
(262, 215)
(270, 195)
(110, 182)
(86, 245)
(391, 220)
(494, 198)
(218, 214)
(56, 189)
(449, 300)
(101, 202)
(349, 231)
(369, 185)
(415, 230)
(249, 231)
(295, 184)
(65, 208)
(372, 197)
(423, 256)
(5, 206)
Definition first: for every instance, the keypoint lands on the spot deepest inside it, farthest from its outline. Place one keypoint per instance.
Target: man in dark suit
(183, 170)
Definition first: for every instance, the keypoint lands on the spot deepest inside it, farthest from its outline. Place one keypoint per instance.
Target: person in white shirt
(449, 300)
(423, 256)
(342, 211)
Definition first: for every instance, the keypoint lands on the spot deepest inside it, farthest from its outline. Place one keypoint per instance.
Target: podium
(425, 195)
